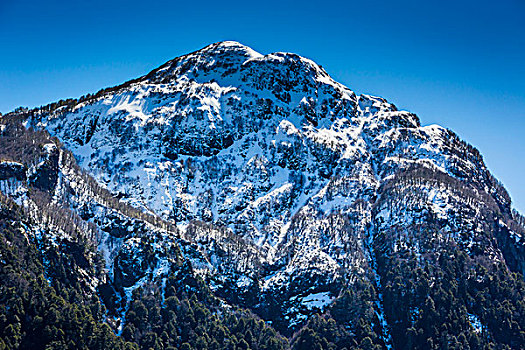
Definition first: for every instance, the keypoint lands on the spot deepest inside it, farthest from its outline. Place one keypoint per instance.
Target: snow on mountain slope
(291, 164)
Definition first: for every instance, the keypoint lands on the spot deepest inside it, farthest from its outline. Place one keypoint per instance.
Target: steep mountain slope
(58, 291)
(290, 195)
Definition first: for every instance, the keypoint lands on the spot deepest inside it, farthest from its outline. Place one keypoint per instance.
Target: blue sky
(460, 64)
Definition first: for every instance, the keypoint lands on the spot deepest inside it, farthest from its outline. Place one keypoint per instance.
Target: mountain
(266, 200)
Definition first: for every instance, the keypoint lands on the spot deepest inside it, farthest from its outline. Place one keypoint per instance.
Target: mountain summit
(335, 217)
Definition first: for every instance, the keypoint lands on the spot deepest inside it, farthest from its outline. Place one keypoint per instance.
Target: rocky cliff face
(285, 187)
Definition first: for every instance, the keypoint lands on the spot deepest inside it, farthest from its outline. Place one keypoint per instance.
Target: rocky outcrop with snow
(281, 180)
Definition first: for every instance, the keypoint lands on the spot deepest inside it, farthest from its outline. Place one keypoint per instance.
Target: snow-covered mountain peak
(224, 105)
(281, 181)
(223, 57)
(230, 47)
(260, 144)
(230, 63)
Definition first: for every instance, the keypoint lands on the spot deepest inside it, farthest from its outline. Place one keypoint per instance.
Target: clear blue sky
(460, 64)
